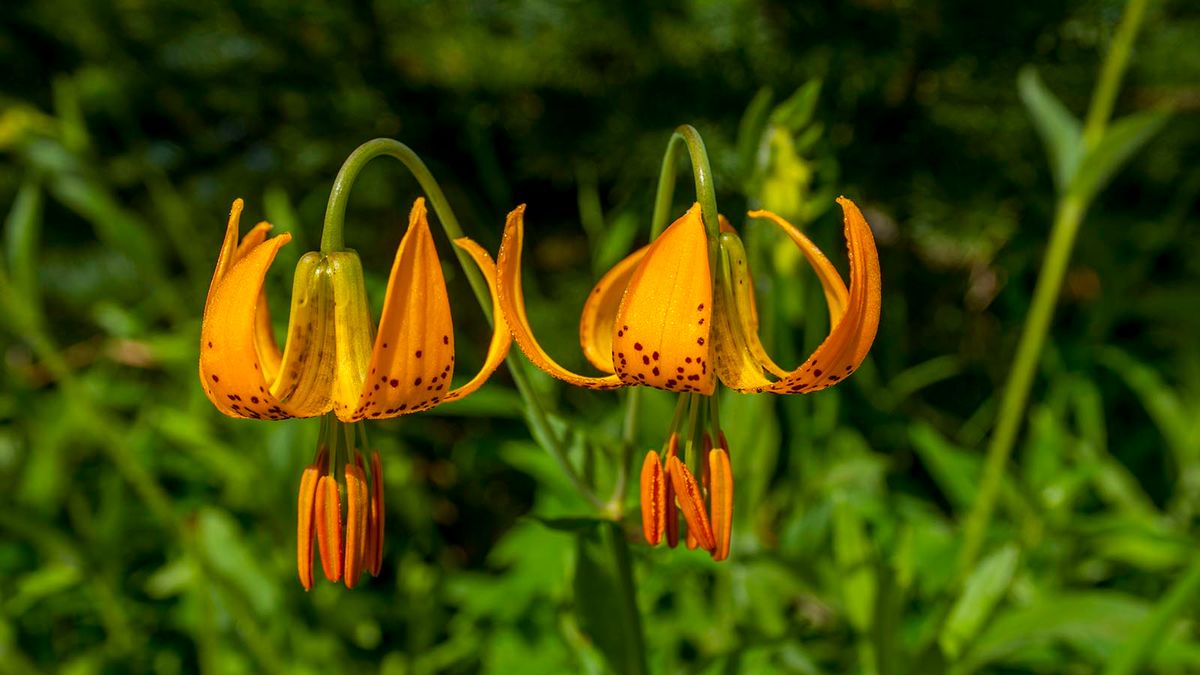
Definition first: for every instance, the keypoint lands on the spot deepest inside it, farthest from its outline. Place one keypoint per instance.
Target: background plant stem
(1068, 216)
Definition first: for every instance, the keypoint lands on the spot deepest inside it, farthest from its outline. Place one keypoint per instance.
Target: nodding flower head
(335, 363)
(665, 317)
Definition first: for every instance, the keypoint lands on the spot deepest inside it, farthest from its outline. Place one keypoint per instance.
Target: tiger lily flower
(662, 318)
(335, 364)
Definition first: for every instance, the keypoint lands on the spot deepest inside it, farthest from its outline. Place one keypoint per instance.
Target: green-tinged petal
(352, 321)
(307, 372)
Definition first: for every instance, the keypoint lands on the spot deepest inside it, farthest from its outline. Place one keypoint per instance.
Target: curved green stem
(332, 239)
(701, 174)
(1067, 219)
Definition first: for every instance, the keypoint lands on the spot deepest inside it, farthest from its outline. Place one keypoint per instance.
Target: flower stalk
(1067, 219)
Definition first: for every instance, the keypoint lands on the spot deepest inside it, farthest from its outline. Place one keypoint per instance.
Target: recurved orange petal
(663, 323)
(231, 369)
(600, 312)
(413, 357)
(836, 295)
(512, 302)
(851, 336)
(501, 335)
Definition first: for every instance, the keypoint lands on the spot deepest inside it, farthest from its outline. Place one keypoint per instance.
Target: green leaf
(750, 132)
(1173, 418)
(797, 111)
(42, 583)
(598, 599)
(232, 555)
(852, 552)
(1145, 641)
(954, 470)
(1123, 138)
(981, 593)
(1060, 131)
(1094, 624)
(21, 230)
(571, 524)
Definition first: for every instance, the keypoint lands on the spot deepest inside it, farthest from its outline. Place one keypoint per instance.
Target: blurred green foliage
(140, 531)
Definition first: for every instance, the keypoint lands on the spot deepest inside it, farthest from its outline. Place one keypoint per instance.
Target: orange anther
(671, 512)
(304, 524)
(375, 518)
(329, 527)
(654, 499)
(691, 502)
(721, 497)
(357, 505)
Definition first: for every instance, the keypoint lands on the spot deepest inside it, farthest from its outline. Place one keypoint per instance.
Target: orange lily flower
(662, 318)
(335, 364)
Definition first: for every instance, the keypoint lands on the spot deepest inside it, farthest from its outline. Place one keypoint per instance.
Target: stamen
(691, 502)
(304, 523)
(329, 527)
(375, 518)
(720, 496)
(671, 512)
(653, 499)
(705, 447)
(356, 520)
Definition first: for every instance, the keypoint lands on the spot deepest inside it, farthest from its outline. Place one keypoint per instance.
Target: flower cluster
(678, 314)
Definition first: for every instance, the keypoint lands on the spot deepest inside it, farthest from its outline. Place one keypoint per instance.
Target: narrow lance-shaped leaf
(1123, 138)
(982, 592)
(1060, 131)
(21, 230)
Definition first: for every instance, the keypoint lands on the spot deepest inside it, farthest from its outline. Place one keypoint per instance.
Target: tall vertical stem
(1067, 219)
